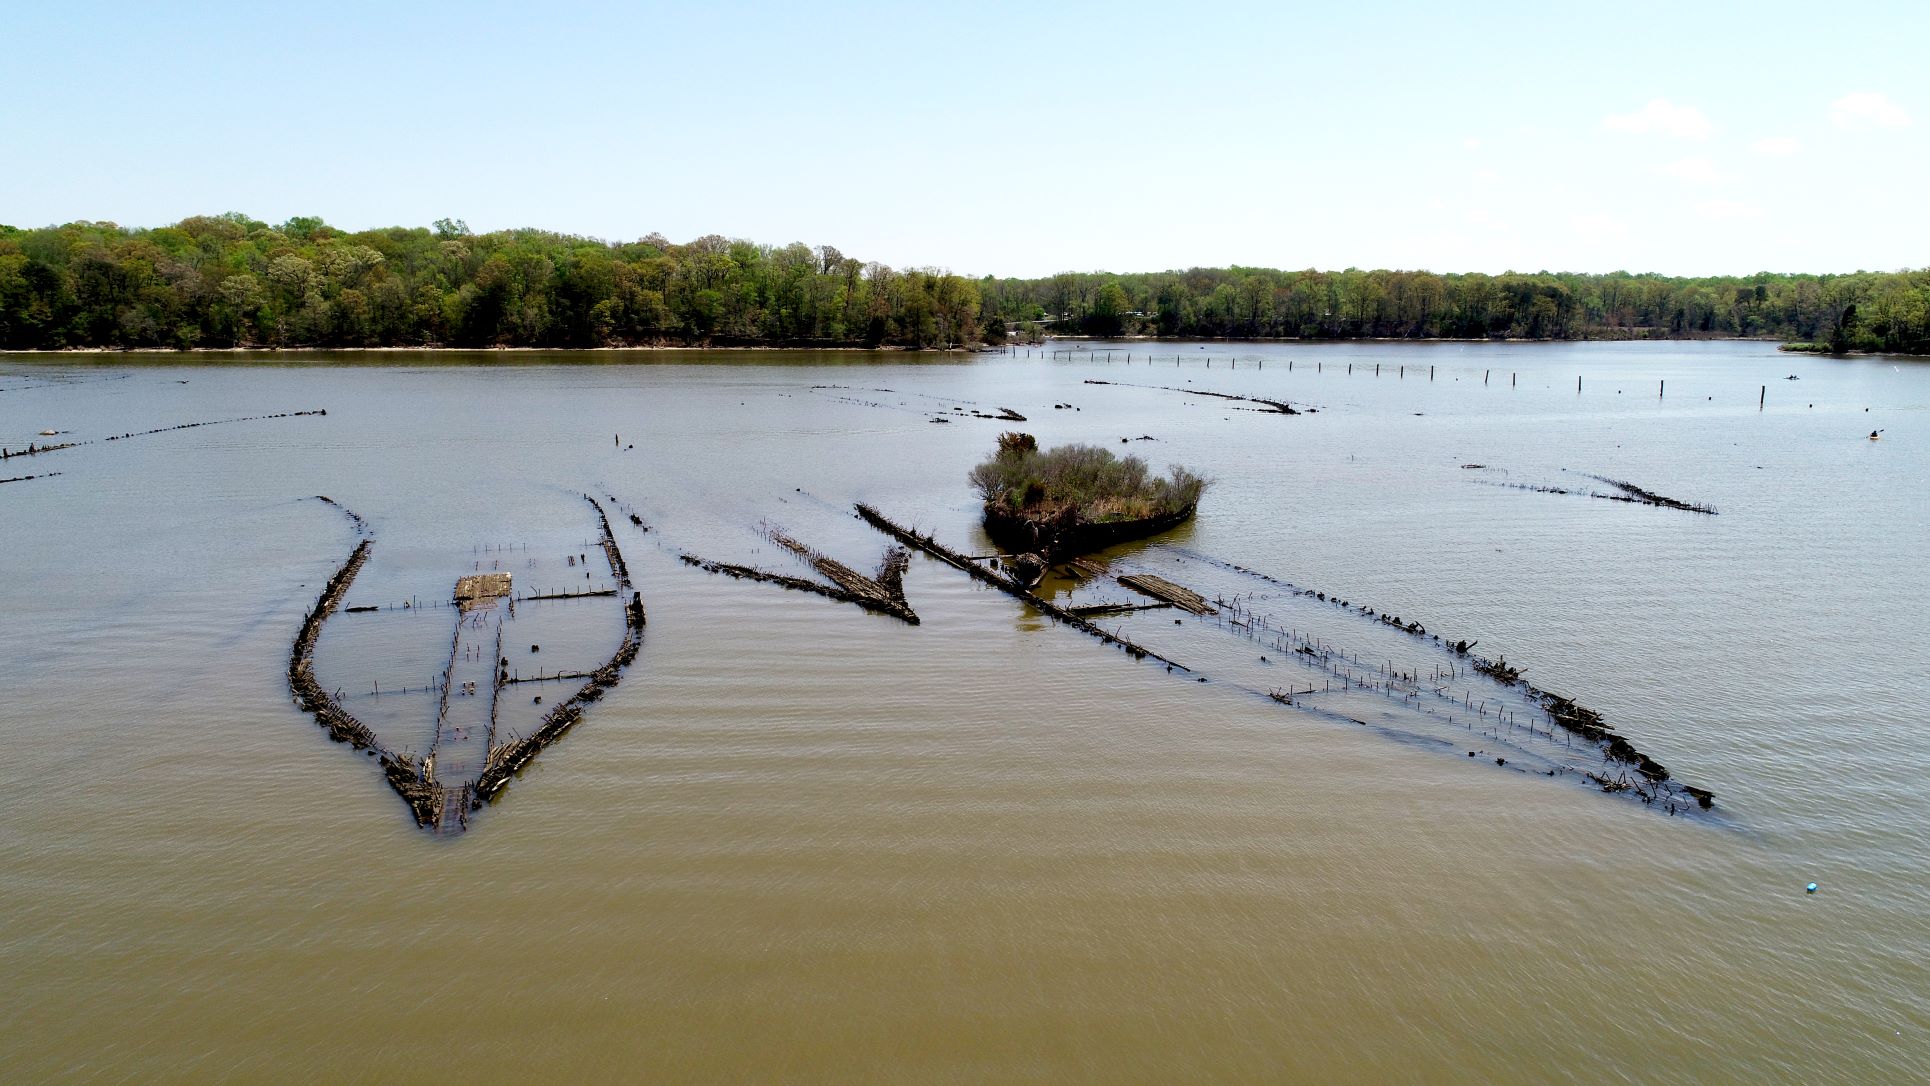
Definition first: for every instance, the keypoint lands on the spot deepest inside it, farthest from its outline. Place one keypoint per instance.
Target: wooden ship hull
(467, 760)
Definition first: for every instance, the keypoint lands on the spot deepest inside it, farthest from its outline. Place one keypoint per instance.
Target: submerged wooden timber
(413, 781)
(1651, 781)
(1267, 407)
(1099, 610)
(884, 593)
(301, 659)
(1629, 492)
(932, 547)
(1625, 491)
(469, 735)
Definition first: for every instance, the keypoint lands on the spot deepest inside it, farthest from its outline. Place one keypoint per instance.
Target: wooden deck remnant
(1160, 588)
(466, 710)
(478, 589)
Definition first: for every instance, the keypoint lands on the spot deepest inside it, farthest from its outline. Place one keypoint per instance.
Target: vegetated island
(1047, 506)
(234, 282)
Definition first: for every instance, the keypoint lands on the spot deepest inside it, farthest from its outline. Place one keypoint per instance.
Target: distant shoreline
(980, 348)
(207, 282)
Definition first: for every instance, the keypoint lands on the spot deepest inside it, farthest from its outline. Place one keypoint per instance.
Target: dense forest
(232, 281)
(1887, 311)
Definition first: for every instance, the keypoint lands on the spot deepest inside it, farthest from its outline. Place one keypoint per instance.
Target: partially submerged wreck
(469, 756)
(1045, 507)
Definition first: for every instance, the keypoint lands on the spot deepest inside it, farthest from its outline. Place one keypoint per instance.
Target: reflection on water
(802, 841)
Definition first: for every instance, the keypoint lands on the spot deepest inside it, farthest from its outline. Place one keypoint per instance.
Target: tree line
(233, 281)
(1886, 311)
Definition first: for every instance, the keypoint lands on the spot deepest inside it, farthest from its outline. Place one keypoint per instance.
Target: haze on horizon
(1003, 139)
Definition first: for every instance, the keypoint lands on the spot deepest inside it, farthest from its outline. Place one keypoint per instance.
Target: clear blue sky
(1015, 139)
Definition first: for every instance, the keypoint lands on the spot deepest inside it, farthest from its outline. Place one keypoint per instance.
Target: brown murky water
(800, 842)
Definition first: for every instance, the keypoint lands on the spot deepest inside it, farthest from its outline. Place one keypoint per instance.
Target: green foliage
(1087, 480)
(1108, 316)
(229, 280)
(1887, 311)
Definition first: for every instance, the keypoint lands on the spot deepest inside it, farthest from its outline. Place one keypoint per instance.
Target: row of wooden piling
(1269, 407)
(1151, 359)
(1661, 385)
(36, 449)
(214, 422)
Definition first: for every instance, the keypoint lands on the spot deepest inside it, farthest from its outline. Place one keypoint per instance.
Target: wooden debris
(1498, 670)
(1088, 568)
